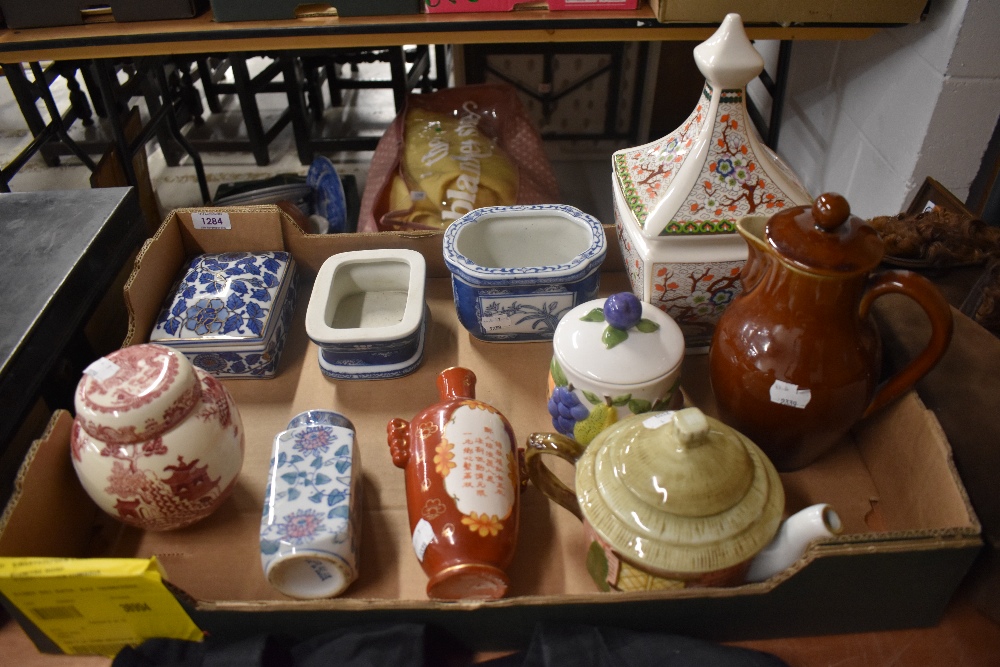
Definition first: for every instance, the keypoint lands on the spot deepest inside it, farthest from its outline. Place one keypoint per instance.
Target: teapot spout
(793, 537)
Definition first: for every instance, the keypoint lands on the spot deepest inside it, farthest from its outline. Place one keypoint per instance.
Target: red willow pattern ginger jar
(463, 487)
(157, 443)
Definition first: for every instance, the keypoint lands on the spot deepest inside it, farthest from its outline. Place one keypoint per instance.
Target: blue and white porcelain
(367, 314)
(310, 527)
(229, 313)
(516, 270)
(328, 192)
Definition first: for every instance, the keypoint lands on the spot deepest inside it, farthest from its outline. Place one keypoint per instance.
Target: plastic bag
(453, 151)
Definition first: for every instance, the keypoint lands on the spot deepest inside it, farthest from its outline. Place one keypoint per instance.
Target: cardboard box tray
(910, 532)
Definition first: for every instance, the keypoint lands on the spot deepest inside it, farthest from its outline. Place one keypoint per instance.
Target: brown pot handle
(938, 312)
(543, 478)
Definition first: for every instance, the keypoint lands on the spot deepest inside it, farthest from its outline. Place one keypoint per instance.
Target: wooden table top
(202, 34)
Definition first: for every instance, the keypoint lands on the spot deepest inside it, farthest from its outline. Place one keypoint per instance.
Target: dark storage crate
(271, 10)
(47, 13)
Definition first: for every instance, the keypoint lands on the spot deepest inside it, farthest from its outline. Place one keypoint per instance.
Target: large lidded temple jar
(677, 199)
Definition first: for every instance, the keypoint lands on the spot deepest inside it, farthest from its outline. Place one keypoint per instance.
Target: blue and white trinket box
(229, 313)
(367, 314)
(516, 270)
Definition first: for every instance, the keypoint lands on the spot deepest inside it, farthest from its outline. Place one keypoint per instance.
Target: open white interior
(520, 239)
(367, 296)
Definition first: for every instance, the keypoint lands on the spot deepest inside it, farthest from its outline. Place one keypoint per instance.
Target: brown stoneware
(463, 487)
(795, 359)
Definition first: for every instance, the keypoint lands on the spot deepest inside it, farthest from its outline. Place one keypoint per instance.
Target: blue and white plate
(329, 193)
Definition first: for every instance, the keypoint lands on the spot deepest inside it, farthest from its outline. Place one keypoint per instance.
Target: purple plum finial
(622, 311)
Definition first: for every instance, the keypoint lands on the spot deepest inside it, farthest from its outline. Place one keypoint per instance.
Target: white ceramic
(310, 528)
(156, 442)
(794, 537)
(677, 199)
(230, 312)
(367, 314)
(517, 270)
(592, 386)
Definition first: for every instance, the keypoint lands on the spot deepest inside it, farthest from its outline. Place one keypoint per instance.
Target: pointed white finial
(727, 58)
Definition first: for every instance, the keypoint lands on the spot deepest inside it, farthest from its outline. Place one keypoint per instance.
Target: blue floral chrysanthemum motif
(314, 440)
(724, 167)
(207, 316)
(301, 526)
(209, 362)
(232, 310)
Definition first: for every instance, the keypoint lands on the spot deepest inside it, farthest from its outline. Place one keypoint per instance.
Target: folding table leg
(251, 112)
(24, 94)
(297, 108)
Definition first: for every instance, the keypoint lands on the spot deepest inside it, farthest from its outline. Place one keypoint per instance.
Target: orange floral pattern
(444, 456)
(483, 524)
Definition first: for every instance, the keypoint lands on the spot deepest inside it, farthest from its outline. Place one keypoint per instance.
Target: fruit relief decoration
(581, 413)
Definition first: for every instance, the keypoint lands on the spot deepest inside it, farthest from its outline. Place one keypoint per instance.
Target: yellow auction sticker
(95, 606)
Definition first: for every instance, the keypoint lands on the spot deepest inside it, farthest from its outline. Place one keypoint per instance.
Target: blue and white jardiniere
(367, 314)
(516, 270)
(229, 313)
(310, 528)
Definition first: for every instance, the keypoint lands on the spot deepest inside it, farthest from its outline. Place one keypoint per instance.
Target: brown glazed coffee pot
(796, 357)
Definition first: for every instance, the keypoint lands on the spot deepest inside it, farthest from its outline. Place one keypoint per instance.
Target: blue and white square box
(310, 527)
(229, 313)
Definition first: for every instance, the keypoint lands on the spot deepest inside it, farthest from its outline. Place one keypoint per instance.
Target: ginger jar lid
(679, 492)
(136, 393)
(825, 237)
(618, 341)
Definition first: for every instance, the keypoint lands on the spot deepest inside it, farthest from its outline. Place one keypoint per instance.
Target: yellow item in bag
(448, 168)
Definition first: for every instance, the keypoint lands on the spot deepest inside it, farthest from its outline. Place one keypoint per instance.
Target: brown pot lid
(825, 237)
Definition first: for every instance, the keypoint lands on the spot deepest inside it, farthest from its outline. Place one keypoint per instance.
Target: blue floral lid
(226, 298)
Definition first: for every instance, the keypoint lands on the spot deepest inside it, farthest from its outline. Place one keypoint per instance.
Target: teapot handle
(543, 478)
(938, 312)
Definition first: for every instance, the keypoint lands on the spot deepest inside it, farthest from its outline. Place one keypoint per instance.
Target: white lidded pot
(612, 358)
(677, 199)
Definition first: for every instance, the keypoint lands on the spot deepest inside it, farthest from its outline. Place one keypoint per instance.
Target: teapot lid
(136, 393)
(825, 237)
(679, 492)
